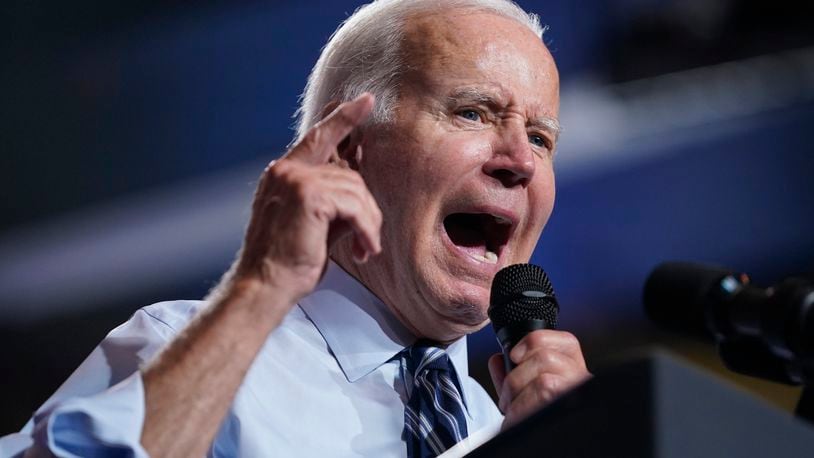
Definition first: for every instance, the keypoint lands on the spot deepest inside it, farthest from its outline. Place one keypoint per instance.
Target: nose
(512, 161)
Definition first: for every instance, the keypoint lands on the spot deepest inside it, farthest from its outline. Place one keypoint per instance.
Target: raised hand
(305, 202)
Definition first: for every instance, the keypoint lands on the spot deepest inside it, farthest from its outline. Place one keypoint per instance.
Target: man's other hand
(304, 202)
(549, 363)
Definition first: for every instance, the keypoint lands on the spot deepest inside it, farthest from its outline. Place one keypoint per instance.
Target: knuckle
(548, 358)
(353, 208)
(301, 189)
(513, 385)
(286, 171)
(536, 339)
(377, 213)
(356, 177)
(278, 169)
(546, 383)
(570, 339)
(352, 176)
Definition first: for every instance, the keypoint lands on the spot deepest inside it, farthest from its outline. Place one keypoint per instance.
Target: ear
(348, 149)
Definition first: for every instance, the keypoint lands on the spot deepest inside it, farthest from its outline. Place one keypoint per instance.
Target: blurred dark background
(133, 132)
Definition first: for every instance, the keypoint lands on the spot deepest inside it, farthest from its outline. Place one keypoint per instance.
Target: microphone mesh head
(522, 292)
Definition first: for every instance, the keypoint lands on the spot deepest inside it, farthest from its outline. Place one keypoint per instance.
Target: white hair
(364, 54)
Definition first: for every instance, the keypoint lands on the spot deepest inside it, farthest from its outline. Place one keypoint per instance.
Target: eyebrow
(488, 98)
(473, 94)
(549, 124)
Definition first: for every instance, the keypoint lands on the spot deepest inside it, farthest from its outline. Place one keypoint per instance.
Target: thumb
(498, 371)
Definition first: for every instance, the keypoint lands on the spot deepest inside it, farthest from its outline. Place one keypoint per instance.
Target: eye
(470, 114)
(539, 141)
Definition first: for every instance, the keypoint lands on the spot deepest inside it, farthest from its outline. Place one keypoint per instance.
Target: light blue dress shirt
(326, 383)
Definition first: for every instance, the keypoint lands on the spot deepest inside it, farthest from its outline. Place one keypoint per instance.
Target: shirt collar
(359, 329)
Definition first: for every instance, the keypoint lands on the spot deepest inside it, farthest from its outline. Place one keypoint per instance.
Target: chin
(466, 305)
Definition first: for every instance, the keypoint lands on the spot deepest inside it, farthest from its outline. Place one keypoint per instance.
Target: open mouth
(481, 235)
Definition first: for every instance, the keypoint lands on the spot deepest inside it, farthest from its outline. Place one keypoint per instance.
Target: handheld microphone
(522, 300)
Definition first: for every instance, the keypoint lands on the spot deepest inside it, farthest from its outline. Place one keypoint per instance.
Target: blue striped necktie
(434, 418)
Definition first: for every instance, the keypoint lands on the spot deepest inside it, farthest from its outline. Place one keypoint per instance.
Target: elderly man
(423, 165)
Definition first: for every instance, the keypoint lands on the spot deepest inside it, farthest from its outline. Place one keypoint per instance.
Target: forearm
(191, 384)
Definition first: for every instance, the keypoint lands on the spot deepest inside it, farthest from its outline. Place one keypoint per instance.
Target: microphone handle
(512, 333)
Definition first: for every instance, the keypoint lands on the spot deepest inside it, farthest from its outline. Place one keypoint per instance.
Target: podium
(654, 406)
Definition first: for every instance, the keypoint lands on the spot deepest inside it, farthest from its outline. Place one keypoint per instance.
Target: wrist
(263, 303)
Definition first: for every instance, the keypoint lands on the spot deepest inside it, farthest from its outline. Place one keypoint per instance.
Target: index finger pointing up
(322, 139)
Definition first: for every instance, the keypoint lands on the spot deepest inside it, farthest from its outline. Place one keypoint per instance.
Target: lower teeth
(488, 256)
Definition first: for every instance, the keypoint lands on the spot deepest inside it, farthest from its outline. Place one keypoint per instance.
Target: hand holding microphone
(538, 363)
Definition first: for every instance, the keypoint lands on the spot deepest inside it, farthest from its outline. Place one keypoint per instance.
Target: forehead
(464, 47)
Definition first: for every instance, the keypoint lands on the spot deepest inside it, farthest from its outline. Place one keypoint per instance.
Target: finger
(498, 371)
(543, 361)
(332, 195)
(351, 183)
(366, 238)
(545, 389)
(359, 210)
(342, 197)
(321, 141)
(561, 341)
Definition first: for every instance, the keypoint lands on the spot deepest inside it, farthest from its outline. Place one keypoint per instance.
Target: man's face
(463, 175)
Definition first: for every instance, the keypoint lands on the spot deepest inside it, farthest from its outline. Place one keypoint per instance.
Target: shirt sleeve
(99, 410)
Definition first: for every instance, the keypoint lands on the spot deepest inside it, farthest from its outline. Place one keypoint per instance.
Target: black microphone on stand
(522, 300)
(766, 333)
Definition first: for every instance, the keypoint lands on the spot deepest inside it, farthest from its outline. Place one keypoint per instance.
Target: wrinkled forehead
(471, 44)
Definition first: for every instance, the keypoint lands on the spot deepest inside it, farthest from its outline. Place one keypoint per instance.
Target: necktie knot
(423, 357)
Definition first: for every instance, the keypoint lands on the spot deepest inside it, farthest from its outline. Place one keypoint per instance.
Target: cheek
(542, 196)
(433, 167)
(461, 153)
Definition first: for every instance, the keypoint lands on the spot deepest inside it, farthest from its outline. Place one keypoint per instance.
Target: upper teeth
(502, 220)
